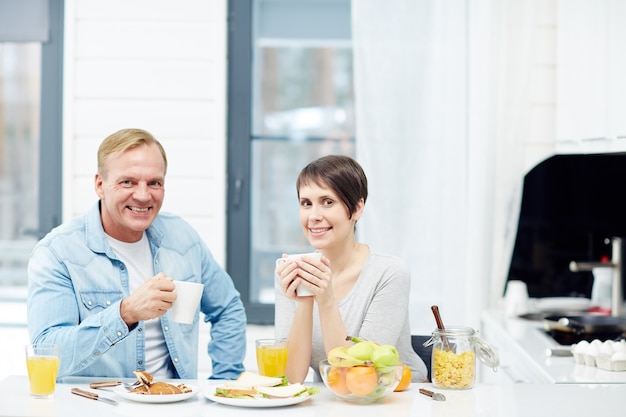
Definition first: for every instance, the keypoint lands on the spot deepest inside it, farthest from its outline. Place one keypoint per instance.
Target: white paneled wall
(158, 65)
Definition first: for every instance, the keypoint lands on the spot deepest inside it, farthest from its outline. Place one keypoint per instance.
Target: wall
(157, 65)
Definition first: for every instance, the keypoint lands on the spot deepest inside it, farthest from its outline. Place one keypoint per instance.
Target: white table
(548, 400)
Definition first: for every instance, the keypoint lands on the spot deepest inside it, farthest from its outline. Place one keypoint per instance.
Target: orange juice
(271, 359)
(42, 374)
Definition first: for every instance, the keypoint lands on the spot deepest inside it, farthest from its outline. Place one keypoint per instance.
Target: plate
(562, 303)
(255, 402)
(157, 399)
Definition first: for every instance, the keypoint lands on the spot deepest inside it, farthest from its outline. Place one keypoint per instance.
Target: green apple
(385, 355)
(362, 350)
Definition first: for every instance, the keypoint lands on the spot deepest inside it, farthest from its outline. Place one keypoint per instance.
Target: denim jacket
(76, 284)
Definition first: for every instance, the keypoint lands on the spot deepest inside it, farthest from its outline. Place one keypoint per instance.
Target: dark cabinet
(571, 206)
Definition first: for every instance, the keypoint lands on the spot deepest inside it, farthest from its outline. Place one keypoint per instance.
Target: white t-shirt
(138, 260)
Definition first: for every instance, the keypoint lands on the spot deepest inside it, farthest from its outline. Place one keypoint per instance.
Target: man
(101, 286)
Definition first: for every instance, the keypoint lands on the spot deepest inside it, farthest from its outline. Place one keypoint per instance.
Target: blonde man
(102, 285)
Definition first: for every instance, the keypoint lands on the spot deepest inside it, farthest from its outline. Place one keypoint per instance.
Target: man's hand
(155, 296)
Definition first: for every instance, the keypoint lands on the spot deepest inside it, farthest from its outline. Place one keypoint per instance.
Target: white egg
(596, 342)
(619, 356)
(619, 346)
(605, 349)
(581, 347)
(593, 350)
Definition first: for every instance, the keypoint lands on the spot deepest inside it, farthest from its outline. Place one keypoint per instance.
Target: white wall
(158, 65)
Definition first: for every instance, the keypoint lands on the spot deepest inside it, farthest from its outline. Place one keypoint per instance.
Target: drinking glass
(271, 356)
(42, 362)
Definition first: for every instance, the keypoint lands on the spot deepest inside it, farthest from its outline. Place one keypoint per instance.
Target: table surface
(482, 400)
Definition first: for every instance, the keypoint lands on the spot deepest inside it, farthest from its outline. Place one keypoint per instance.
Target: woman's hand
(313, 273)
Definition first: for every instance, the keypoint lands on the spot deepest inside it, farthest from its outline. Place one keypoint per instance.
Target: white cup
(516, 298)
(602, 287)
(302, 290)
(188, 296)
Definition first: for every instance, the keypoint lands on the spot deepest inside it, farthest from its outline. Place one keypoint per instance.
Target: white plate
(156, 399)
(255, 402)
(562, 303)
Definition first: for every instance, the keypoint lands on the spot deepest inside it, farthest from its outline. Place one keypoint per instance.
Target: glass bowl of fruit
(360, 384)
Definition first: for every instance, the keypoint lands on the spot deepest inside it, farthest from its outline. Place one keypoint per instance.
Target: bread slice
(248, 384)
(251, 380)
(235, 392)
(285, 391)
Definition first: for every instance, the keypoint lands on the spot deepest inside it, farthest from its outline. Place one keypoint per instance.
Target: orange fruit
(336, 380)
(361, 380)
(405, 381)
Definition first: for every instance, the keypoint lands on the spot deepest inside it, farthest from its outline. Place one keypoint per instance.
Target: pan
(567, 330)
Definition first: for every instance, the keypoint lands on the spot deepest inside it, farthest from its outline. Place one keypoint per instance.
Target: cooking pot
(567, 330)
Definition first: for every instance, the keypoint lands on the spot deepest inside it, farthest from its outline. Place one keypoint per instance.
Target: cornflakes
(452, 370)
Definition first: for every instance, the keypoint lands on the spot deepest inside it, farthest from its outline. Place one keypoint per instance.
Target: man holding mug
(101, 286)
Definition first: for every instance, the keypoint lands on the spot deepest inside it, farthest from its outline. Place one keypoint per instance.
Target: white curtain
(447, 125)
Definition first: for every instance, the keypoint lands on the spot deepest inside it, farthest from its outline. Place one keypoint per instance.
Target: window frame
(250, 23)
(51, 123)
(239, 131)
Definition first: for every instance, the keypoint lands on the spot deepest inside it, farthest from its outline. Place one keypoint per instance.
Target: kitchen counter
(483, 400)
(525, 355)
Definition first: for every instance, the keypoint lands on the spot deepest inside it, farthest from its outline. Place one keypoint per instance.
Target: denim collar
(96, 238)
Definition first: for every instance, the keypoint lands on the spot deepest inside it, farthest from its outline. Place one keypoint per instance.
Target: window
(30, 140)
(290, 101)
(20, 86)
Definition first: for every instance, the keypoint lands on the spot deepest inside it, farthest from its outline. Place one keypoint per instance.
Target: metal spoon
(434, 395)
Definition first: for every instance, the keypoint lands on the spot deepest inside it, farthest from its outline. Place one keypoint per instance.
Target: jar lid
(486, 353)
(455, 331)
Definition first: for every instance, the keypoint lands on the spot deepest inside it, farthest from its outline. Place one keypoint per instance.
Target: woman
(356, 291)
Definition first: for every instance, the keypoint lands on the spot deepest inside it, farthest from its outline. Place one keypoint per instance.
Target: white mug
(188, 295)
(302, 290)
(516, 298)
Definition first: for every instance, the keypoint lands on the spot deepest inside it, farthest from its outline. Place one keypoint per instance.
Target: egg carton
(608, 355)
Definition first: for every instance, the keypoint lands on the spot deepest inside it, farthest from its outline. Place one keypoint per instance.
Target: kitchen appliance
(567, 330)
(615, 266)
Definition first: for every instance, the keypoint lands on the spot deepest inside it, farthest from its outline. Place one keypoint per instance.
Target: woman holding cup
(356, 291)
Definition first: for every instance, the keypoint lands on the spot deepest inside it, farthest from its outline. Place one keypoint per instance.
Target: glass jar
(454, 357)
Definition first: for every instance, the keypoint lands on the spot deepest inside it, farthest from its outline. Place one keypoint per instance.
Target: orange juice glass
(42, 362)
(271, 356)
